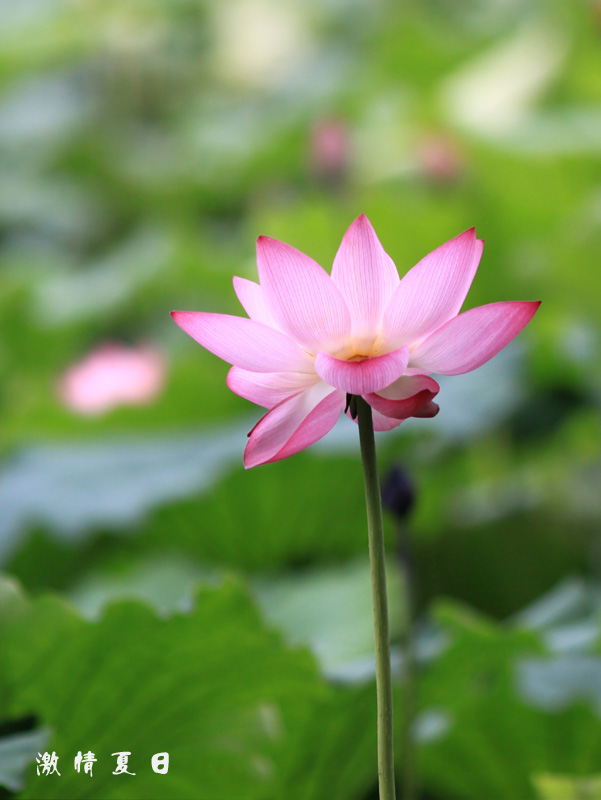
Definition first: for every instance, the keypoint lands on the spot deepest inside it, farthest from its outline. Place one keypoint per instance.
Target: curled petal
(293, 425)
(244, 342)
(362, 377)
(406, 397)
(471, 339)
(433, 291)
(428, 410)
(268, 388)
(252, 300)
(381, 422)
(302, 297)
(366, 277)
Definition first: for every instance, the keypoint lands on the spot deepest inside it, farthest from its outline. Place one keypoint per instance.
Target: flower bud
(398, 492)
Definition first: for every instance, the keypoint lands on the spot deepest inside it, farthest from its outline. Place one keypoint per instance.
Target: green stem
(409, 774)
(380, 601)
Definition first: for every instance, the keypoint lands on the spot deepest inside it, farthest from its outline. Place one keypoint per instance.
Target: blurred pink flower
(330, 149)
(313, 338)
(440, 158)
(113, 375)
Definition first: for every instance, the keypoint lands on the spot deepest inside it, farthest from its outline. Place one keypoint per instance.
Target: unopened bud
(398, 492)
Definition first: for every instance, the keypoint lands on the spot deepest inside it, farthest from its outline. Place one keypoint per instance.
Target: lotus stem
(409, 776)
(380, 601)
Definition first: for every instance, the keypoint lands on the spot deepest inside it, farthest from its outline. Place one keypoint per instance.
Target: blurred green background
(157, 597)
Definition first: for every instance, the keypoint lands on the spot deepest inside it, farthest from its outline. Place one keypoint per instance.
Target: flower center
(360, 350)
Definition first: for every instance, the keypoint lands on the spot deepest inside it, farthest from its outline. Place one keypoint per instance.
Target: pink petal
(412, 371)
(381, 423)
(302, 297)
(469, 340)
(244, 343)
(362, 377)
(433, 291)
(252, 299)
(366, 277)
(407, 397)
(293, 425)
(268, 388)
(406, 387)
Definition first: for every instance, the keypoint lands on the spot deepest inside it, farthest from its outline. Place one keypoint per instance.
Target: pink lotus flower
(312, 339)
(113, 375)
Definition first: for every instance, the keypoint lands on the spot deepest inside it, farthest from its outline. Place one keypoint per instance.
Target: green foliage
(565, 787)
(213, 688)
(497, 737)
(246, 716)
